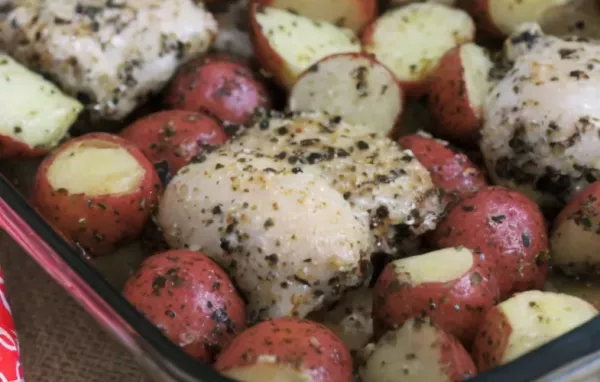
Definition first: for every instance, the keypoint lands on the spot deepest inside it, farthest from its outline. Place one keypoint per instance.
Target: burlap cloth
(60, 342)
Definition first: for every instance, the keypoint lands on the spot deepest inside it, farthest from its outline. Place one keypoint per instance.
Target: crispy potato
(455, 296)
(574, 240)
(457, 93)
(36, 115)
(411, 40)
(451, 171)
(286, 44)
(193, 301)
(499, 18)
(175, 137)
(417, 352)
(98, 190)
(524, 323)
(509, 228)
(224, 88)
(352, 14)
(286, 349)
(353, 86)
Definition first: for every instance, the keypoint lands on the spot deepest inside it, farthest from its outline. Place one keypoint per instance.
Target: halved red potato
(451, 170)
(455, 295)
(286, 349)
(581, 18)
(36, 115)
(509, 228)
(190, 299)
(412, 39)
(98, 190)
(587, 289)
(176, 137)
(220, 86)
(286, 44)
(575, 237)
(500, 18)
(353, 14)
(525, 322)
(457, 92)
(353, 86)
(417, 352)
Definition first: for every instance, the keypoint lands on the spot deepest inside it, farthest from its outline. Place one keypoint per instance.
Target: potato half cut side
(353, 86)
(35, 113)
(411, 40)
(416, 352)
(525, 322)
(457, 93)
(501, 17)
(353, 14)
(286, 44)
(98, 190)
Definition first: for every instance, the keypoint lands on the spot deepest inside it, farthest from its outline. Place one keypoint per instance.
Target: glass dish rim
(548, 359)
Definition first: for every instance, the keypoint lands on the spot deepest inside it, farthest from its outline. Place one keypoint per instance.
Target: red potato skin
(101, 223)
(269, 60)
(491, 340)
(509, 228)
(224, 88)
(459, 364)
(303, 345)
(414, 89)
(451, 171)
(189, 296)
(175, 136)
(10, 148)
(479, 11)
(449, 102)
(456, 306)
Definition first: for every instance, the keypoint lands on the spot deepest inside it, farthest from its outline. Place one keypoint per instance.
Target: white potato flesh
(346, 13)
(537, 317)
(574, 248)
(476, 68)
(541, 134)
(580, 17)
(300, 41)
(426, 268)
(93, 171)
(268, 371)
(412, 353)
(288, 227)
(353, 86)
(34, 111)
(351, 319)
(507, 15)
(115, 55)
(411, 40)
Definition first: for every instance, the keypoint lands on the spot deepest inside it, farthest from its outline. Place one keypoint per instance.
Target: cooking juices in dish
(318, 241)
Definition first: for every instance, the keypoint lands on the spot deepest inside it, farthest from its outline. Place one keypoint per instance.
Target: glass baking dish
(572, 357)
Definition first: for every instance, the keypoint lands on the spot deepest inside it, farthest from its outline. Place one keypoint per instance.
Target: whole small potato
(419, 351)
(451, 171)
(98, 190)
(193, 301)
(455, 296)
(525, 322)
(224, 88)
(509, 228)
(286, 349)
(175, 136)
(575, 237)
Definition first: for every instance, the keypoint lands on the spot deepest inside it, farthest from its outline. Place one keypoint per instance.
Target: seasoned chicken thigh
(110, 53)
(294, 207)
(542, 120)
